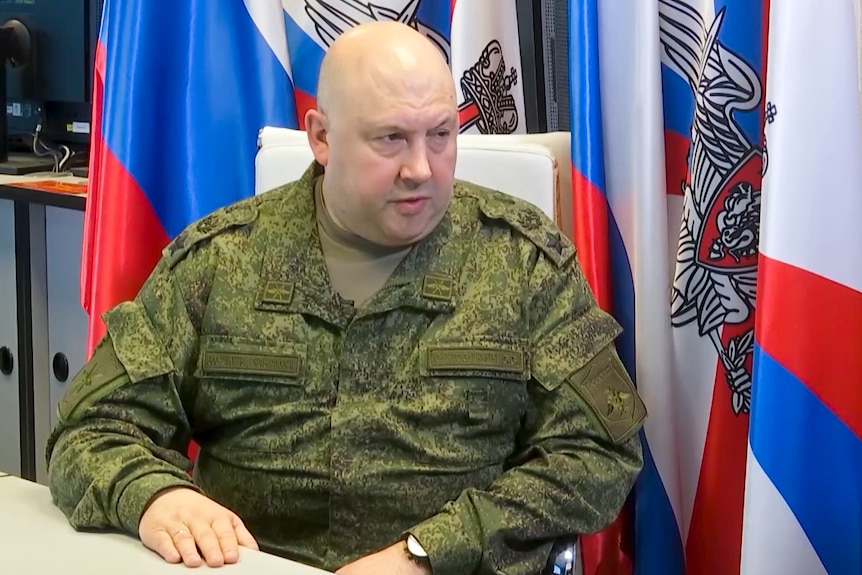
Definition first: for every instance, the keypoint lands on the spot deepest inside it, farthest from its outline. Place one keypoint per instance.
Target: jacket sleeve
(123, 422)
(579, 450)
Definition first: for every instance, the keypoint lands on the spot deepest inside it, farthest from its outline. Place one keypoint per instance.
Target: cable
(66, 157)
(59, 157)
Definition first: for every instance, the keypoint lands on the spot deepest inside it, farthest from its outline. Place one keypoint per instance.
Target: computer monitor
(48, 47)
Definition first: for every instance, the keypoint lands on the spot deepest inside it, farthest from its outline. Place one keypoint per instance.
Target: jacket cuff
(450, 550)
(138, 494)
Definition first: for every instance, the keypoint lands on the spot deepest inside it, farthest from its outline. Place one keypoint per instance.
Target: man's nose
(416, 169)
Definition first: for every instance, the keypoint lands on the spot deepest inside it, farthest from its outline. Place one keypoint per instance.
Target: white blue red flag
(803, 500)
(667, 123)
(180, 92)
(620, 205)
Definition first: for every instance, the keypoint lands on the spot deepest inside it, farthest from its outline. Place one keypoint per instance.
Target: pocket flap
(571, 345)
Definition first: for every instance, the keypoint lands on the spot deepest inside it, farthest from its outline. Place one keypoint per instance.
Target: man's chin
(406, 238)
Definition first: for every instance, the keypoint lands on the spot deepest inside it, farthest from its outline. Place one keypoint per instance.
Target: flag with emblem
(667, 154)
(178, 103)
(690, 496)
(486, 65)
(479, 39)
(803, 501)
(312, 26)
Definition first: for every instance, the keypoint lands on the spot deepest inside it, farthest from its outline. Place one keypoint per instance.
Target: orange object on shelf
(58, 186)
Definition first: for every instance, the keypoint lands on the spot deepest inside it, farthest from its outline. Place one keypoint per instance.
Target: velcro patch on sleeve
(95, 380)
(609, 392)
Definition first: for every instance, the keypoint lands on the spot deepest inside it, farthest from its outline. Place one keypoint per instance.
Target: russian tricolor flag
(803, 500)
(180, 92)
(620, 216)
(667, 136)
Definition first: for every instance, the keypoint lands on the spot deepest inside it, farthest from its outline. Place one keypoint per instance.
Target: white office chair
(533, 167)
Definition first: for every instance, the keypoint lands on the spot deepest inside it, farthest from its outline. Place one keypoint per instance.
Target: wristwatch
(415, 550)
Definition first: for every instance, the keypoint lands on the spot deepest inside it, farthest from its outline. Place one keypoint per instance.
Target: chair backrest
(533, 167)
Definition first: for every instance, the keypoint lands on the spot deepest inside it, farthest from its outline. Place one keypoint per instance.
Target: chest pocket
(240, 359)
(486, 376)
(249, 392)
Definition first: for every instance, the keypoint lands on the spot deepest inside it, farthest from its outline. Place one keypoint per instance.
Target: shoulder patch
(232, 216)
(606, 388)
(102, 374)
(529, 221)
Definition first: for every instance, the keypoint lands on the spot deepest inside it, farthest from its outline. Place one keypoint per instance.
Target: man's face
(391, 160)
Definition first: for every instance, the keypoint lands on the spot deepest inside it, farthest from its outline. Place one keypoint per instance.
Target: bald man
(387, 371)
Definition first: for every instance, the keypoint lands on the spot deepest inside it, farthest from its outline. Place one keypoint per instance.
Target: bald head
(379, 57)
(384, 132)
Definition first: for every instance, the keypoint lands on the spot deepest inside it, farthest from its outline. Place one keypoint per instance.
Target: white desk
(37, 539)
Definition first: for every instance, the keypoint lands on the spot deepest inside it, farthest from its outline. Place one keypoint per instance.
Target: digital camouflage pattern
(475, 401)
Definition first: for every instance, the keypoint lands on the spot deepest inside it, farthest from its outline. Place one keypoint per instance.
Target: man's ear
(317, 129)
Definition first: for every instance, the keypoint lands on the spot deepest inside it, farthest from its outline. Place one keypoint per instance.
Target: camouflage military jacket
(475, 401)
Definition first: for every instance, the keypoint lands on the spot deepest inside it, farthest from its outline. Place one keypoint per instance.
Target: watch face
(415, 548)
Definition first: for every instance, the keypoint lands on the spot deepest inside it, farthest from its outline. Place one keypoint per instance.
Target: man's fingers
(185, 544)
(243, 536)
(183, 525)
(227, 540)
(162, 544)
(207, 543)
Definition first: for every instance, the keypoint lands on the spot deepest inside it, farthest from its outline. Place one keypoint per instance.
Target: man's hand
(391, 561)
(179, 521)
